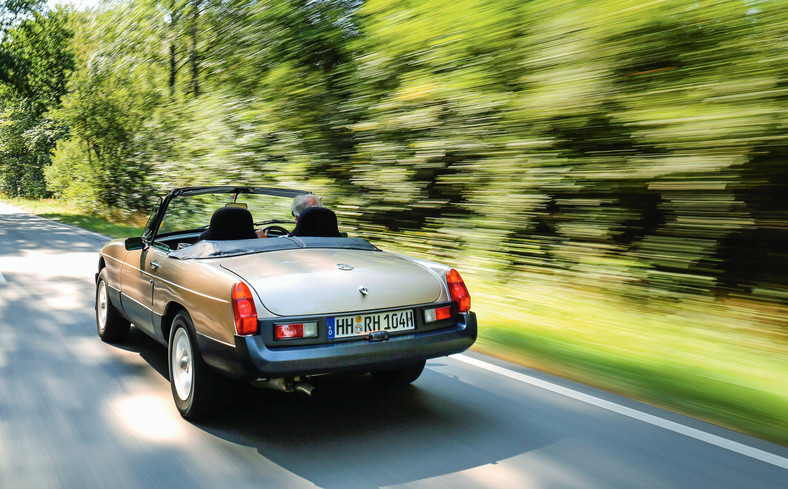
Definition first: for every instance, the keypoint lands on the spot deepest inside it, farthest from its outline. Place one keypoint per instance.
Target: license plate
(363, 324)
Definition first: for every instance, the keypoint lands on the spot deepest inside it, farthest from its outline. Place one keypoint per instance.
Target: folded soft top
(214, 249)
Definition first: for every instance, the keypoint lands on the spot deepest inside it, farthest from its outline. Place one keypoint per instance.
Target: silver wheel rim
(181, 368)
(101, 306)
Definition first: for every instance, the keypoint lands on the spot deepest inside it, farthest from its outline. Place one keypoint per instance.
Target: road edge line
(733, 446)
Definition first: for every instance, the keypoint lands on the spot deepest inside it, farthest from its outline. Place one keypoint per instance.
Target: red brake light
(437, 314)
(442, 313)
(295, 330)
(286, 331)
(244, 310)
(458, 291)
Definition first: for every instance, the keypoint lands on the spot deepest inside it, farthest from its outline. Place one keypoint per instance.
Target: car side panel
(137, 288)
(202, 289)
(113, 254)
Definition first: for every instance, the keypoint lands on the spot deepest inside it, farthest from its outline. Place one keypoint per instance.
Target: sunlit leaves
(633, 139)
(36, 59)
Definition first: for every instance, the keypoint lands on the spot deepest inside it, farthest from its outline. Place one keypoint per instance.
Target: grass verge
(719, 362)
(723, 361)
(63, 212)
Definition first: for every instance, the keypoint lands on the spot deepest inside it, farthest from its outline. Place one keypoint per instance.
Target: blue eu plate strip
(330, 323)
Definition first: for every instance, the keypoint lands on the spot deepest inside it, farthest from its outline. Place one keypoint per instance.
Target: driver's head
(304, 201)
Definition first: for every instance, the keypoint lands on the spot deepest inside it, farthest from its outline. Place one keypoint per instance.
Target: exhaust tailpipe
(285, 385)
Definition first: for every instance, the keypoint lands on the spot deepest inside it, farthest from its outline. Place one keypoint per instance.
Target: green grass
(63, 212)
(723, 361)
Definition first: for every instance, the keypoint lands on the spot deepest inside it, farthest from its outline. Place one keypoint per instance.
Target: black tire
(112, 327)
(196, 389)
(398, 377)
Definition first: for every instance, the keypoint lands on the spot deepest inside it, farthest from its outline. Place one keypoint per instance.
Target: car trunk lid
(329, 281)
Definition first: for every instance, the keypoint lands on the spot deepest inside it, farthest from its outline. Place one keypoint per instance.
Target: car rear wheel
(110, 323)
(399, 376)
(195, 387)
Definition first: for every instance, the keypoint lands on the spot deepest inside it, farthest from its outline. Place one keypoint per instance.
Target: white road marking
(715, 440)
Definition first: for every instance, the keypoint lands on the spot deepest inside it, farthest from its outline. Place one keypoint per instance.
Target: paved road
(78, 413)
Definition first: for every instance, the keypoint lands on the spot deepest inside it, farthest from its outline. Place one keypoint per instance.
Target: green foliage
(12, 12)
(35, 61)
(70, 177)
(116, 226)
(39, 58)
(25, 144)
(624, 139)
(620, 139)
(635, 147)
(606, 138)
(110, 98)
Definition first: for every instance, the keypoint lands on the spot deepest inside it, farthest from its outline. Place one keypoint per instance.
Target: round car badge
(344, 266)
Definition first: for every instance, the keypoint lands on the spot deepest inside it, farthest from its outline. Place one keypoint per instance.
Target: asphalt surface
(78, 413)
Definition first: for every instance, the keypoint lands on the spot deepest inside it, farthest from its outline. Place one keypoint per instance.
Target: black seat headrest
(230, 223)
(317, 221)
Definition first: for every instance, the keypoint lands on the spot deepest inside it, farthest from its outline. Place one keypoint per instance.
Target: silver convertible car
(305, 301)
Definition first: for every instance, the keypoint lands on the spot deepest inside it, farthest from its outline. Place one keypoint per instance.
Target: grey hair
(304, 201)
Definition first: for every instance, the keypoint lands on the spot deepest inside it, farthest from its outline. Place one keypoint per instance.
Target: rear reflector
(432, 315)
(293, 331)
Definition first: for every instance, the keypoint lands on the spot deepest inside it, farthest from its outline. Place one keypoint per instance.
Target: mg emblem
(344, 266)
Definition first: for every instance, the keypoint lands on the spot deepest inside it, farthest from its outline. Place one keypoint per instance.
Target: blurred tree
(12, 11)
(638, 142)
(35, 62)
(432, 85)
(113, 92)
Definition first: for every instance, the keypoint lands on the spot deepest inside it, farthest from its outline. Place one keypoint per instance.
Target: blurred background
(610, 176)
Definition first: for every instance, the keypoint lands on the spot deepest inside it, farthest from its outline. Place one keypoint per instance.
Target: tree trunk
(173, 67)
(194, 58)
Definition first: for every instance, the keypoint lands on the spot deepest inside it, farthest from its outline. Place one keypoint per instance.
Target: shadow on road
(352, 430)
(16, 229)
(153, 352)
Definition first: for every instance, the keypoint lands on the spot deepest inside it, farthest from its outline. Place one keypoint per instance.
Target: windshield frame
(152, 230)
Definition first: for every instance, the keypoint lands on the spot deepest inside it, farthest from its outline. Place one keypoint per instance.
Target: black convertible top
(235, 247)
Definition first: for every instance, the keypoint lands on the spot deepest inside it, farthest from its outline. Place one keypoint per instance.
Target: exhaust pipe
(285, 385)
(305, 388)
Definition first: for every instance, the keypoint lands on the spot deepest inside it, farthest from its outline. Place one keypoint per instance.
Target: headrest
(317, 221)
(230, 223)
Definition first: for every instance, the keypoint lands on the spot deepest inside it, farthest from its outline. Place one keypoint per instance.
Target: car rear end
(314, 311)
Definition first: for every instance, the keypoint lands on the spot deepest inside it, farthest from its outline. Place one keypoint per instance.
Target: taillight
(458, 291)
(292, 331)
(243, 309)
(437, 314)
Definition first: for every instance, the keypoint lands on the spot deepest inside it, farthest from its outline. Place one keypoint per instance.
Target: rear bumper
(251, 358)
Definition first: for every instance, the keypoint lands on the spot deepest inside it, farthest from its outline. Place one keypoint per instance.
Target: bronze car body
(310, 286)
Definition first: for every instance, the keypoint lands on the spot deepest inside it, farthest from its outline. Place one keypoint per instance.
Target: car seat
(230, 223)
(317, 221)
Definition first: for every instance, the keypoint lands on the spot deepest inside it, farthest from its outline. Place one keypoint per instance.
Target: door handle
(154, 264)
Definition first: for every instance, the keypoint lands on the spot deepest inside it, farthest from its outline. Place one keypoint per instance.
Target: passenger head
(304, 201)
